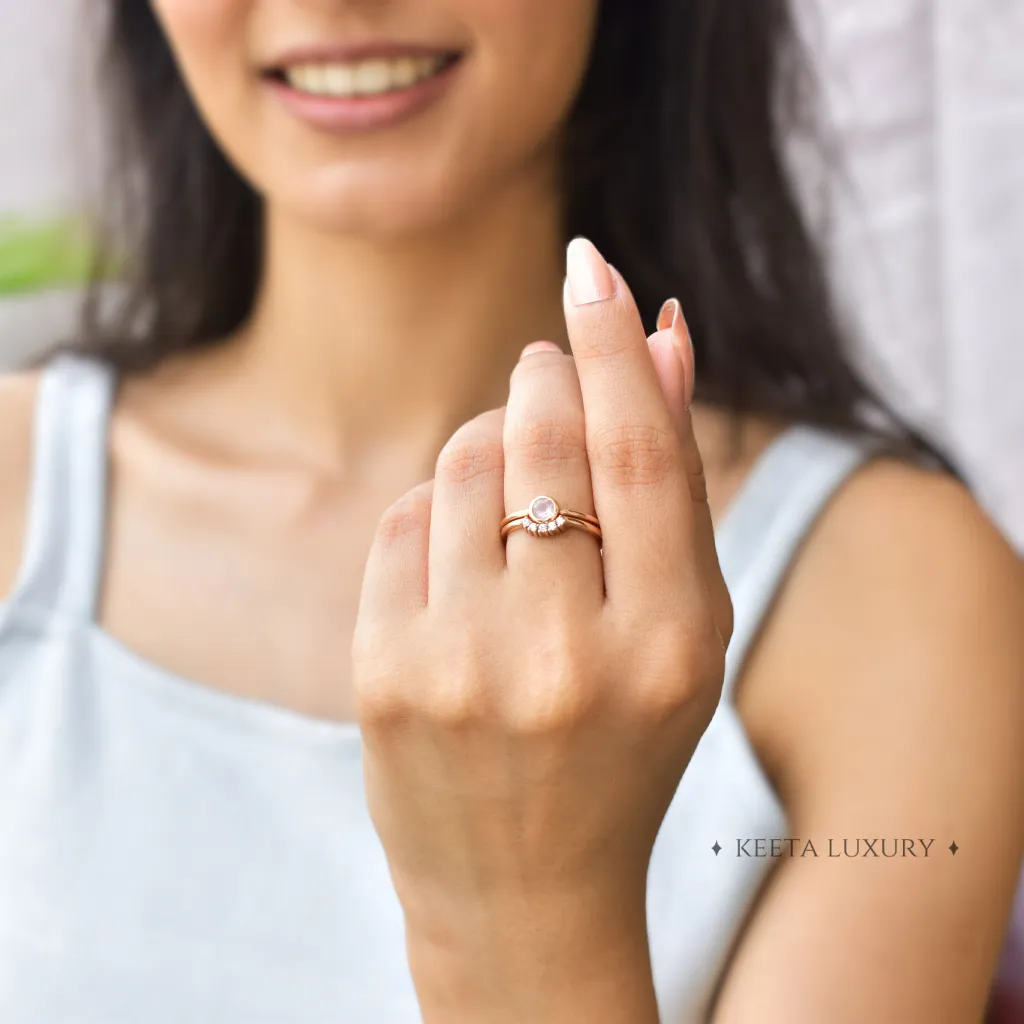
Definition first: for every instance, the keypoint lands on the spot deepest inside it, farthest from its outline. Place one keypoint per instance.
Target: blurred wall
(38, 68)
(44, 66)
(928, 100)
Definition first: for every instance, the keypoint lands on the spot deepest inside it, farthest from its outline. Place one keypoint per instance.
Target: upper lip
(325, 53)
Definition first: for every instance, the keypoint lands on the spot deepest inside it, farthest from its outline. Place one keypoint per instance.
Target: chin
(385, 206)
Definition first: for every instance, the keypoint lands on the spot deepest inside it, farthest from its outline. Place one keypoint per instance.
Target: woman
(289, 735)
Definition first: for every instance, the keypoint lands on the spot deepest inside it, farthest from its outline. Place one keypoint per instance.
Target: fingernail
(590, 280)
(671, 319)
(539, 346)
(670, 315)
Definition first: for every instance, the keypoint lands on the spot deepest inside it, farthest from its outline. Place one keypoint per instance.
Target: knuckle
(379, 700)
(456, 706)
(551, 443)
(696, 648)
(390, 688)
(635, 455)
(455, 696)
(469, 455)
(547, 711)
(683, 670)
(704, 663)
(556, 694)
(410, 514)
(379, 708)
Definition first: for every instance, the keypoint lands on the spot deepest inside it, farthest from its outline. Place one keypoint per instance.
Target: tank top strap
(775, 509)
(64, 542)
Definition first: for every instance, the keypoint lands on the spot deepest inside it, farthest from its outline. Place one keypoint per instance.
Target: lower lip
(364, 113)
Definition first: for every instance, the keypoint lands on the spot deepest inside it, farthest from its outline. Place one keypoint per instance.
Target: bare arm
(887, 698)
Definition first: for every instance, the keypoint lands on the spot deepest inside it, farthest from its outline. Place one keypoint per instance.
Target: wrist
(552, 963)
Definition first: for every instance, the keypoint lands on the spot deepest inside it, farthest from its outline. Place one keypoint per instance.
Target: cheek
(209, 40)
(198, 25)
(533, 55)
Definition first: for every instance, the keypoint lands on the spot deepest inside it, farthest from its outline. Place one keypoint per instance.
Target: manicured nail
(671, 319)
(671, 313)
(539, 346)
(590, 280)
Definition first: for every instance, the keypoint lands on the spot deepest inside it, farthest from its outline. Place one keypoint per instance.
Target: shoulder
(905, 600)
(17, 416)
(902, 552)
(896, 531)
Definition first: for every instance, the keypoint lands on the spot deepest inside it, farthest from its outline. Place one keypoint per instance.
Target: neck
(354, 337)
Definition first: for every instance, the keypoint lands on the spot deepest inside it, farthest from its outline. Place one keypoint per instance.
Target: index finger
(637, 464)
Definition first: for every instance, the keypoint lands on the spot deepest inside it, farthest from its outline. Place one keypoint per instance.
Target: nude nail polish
(671, 318)
(670, 314)
(590, 280)
(538, 346)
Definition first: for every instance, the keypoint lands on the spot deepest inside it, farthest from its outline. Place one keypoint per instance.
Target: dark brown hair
(674, 165)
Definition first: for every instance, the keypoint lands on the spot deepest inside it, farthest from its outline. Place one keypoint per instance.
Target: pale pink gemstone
(543, 509)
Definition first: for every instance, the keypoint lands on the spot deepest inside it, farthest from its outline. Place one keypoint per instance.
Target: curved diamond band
(544, 518)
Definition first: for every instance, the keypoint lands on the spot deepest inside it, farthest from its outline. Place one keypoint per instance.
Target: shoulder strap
(67, 502)
(774, 511)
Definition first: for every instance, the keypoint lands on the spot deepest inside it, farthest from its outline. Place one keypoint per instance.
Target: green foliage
(42, 256)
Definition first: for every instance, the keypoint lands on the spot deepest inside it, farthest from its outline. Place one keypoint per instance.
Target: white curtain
(927, 97)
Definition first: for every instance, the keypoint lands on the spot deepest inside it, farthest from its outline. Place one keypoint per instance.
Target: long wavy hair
(675, 164)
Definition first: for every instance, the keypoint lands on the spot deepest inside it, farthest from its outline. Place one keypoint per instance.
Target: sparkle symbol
(716, 848)
(953, 847)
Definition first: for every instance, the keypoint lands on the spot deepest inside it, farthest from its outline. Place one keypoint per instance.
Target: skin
(277, 480)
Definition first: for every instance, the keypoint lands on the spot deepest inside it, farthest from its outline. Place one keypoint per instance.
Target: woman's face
(350, 114)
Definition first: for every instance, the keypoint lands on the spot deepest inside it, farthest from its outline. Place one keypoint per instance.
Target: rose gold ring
(544, 518)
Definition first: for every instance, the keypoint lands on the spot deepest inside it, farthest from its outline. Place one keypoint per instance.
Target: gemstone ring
(544, 518)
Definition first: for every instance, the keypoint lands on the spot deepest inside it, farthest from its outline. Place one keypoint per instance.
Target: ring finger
(545, 447)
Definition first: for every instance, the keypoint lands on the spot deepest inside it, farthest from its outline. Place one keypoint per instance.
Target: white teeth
(404, 72)
(338, 80)
(361, 78)
(373, 76)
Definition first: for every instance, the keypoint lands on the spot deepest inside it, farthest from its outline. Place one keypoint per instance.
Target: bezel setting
(543, 510)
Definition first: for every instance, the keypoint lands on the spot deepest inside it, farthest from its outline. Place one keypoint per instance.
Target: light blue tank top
(172, 854)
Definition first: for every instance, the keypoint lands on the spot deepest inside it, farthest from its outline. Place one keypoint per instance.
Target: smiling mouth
(371, 76)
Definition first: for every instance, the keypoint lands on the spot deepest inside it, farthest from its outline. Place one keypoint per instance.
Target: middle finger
(637, 468)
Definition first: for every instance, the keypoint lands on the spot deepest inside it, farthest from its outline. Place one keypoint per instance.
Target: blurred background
(926, 102)
(926, 99)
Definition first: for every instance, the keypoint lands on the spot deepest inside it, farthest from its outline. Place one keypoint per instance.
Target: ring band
(544, 518)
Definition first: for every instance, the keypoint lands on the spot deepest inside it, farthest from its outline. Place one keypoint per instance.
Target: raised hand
(528, 706)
